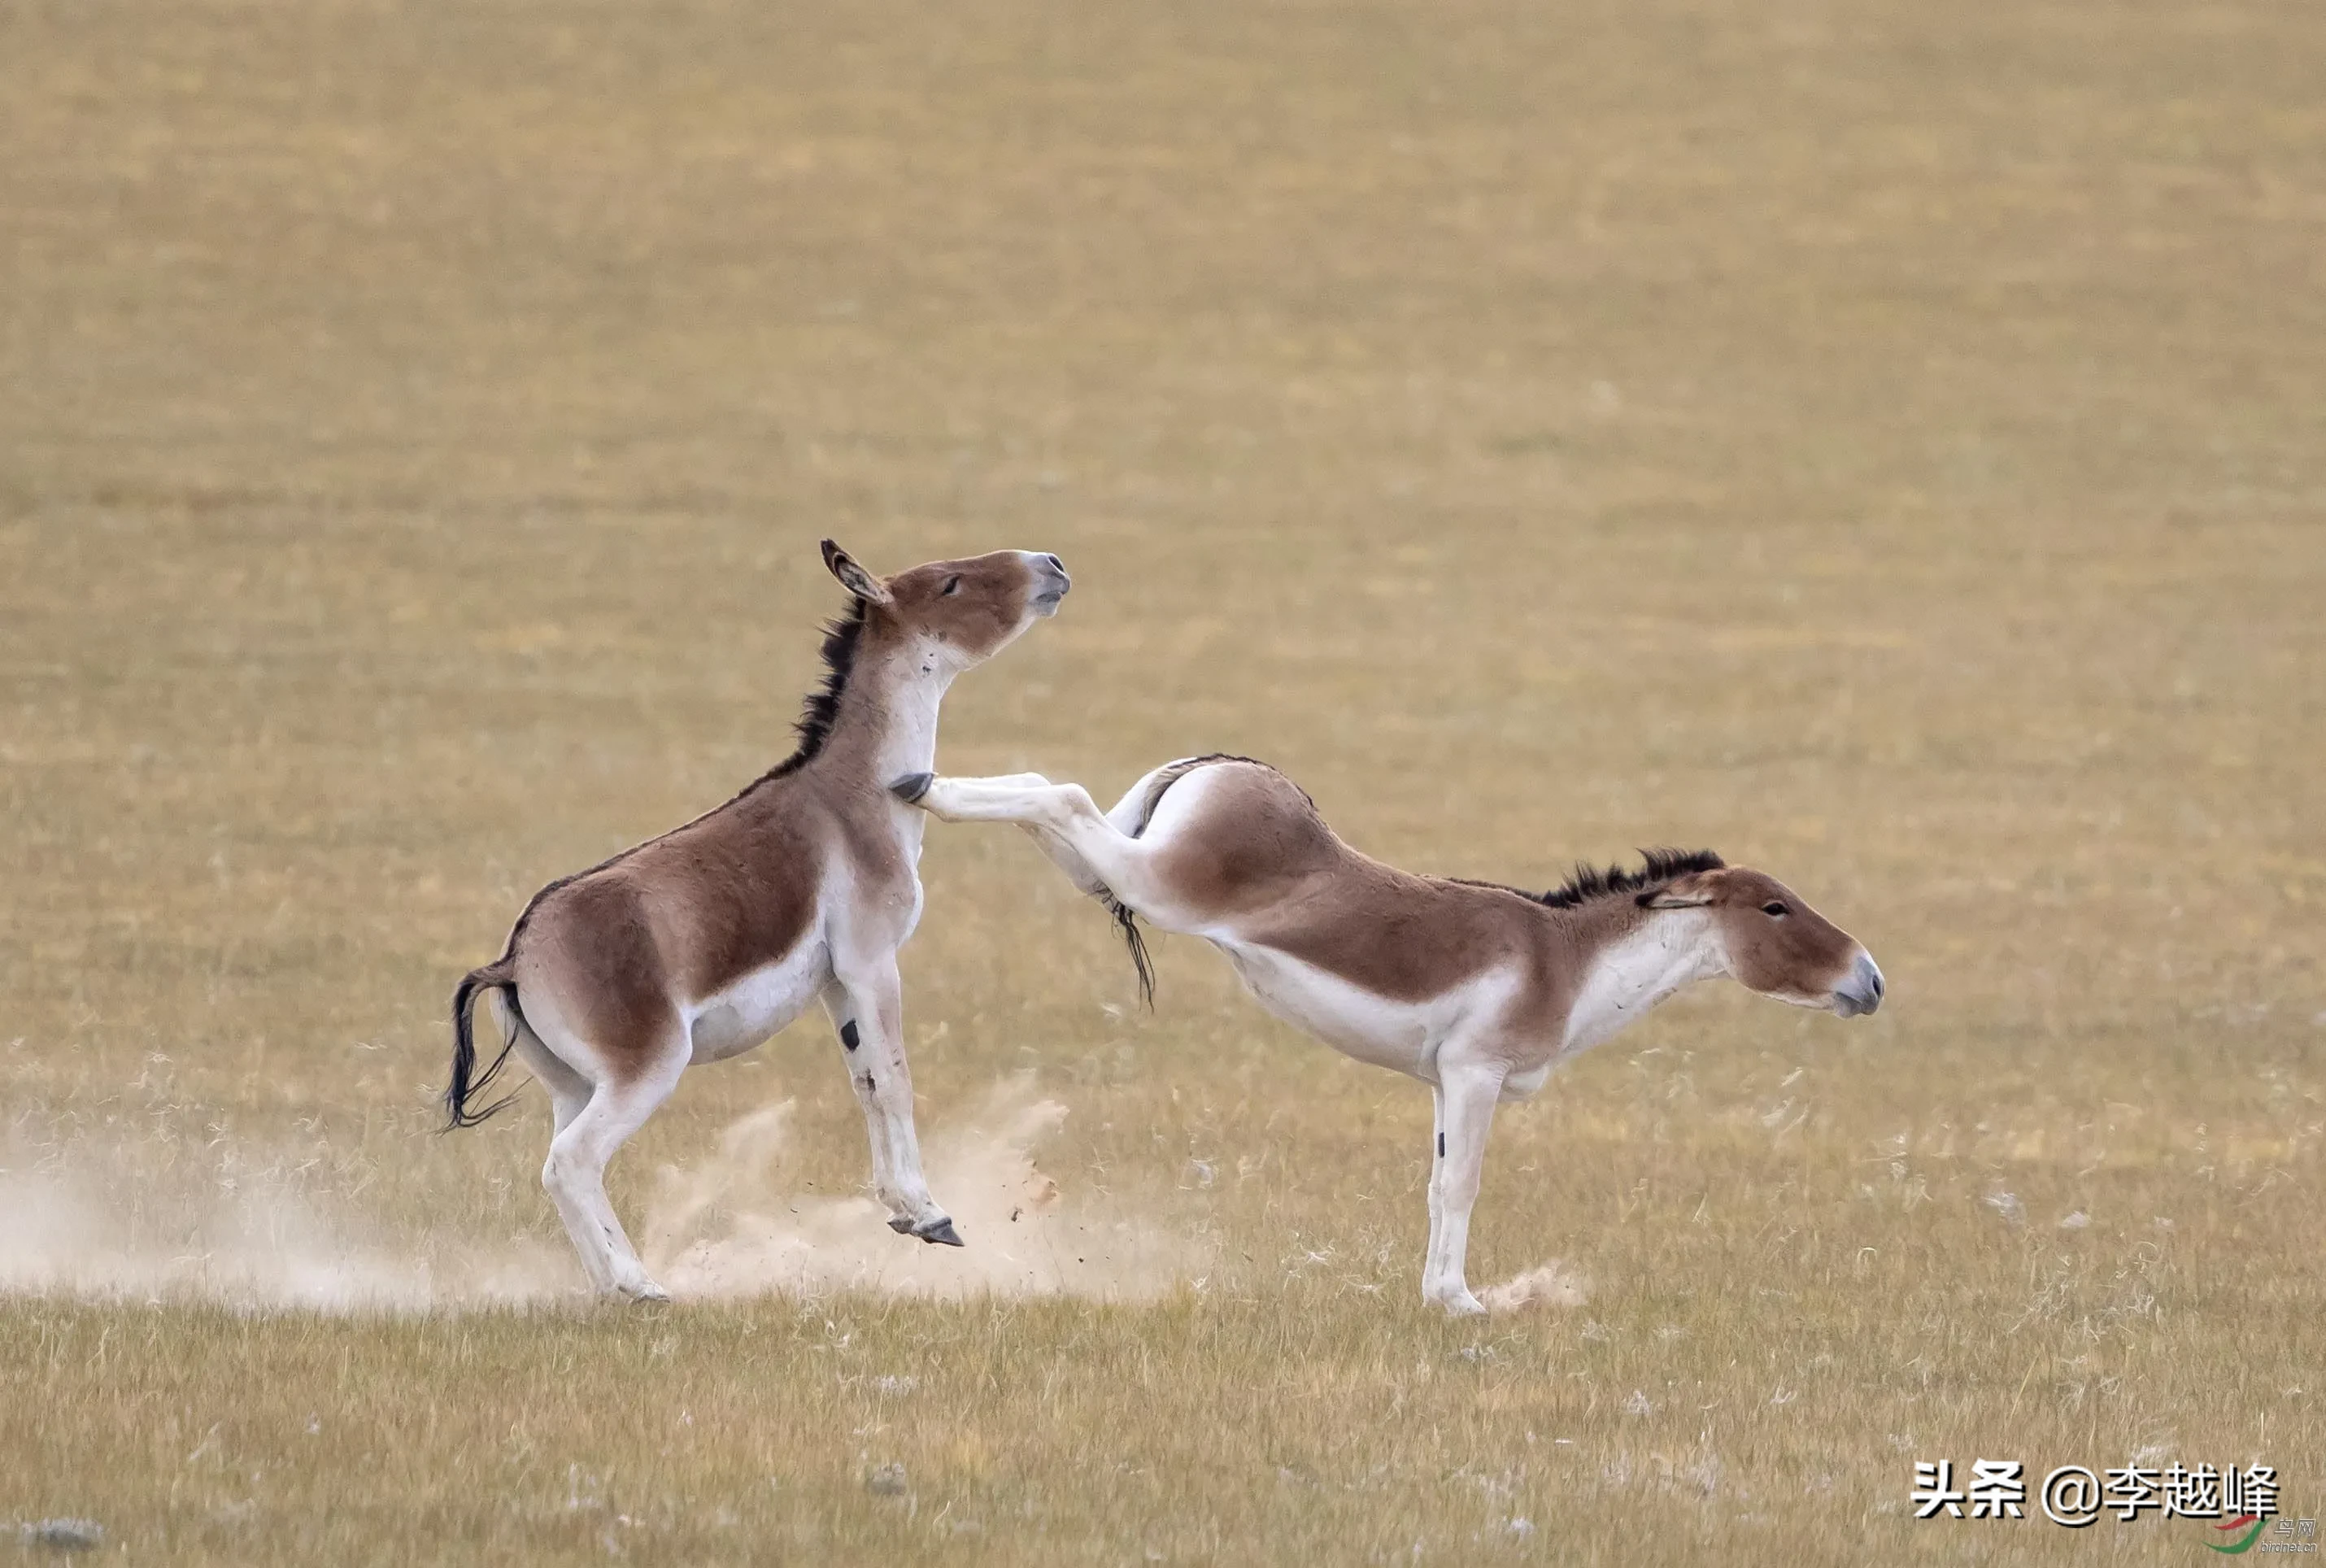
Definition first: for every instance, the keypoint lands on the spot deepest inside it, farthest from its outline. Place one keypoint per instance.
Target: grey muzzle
(1862, 992)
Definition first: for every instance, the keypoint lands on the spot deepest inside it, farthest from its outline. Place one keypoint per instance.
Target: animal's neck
(1633, 964)
(887, 722)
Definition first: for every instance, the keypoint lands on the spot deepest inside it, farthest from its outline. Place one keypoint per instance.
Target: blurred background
(1885, 443)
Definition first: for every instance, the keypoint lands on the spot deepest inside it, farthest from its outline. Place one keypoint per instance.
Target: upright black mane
(841, 636)
(1663, 866)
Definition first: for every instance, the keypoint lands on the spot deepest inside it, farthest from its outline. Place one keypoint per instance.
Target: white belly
(730, 1022)
(1401, 1036)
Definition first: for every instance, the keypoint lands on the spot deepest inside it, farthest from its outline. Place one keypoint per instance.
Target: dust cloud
(132, 1214)
(1548, 1285)
(724, 1225)
(120, 1219)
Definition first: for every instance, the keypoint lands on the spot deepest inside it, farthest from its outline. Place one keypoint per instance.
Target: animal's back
(1248, 844)
(692, 910)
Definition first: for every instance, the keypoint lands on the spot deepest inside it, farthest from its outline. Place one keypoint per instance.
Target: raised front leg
(1466, 1095)
(866, 1011)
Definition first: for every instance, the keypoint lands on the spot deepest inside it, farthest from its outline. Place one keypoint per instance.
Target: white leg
(1465, 1098)
(1062, 855)
(1070, 827)
(991, 799)
(867, 1006)
(1005, 798)
(569, 1092)
(1122, 818)
(1437, 1186)
(576, 1173)
(842, 1012)
(1128, 811)
(1125, 812)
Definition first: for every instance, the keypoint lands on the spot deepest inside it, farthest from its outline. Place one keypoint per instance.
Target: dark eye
(953, 584)
(1775, 910)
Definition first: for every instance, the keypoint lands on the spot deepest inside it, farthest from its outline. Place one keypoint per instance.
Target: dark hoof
(942, 1234)
(900, 1225)
(910, 788)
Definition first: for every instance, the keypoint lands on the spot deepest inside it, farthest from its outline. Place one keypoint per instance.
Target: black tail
(1127, 923)
(467, 1082)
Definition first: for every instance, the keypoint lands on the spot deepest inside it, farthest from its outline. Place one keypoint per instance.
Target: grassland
(1884, 442)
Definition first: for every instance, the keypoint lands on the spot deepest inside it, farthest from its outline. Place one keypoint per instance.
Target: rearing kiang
(700, 944)
(1477, 989)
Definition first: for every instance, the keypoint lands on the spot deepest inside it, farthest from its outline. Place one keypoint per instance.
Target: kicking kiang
(1476, 988)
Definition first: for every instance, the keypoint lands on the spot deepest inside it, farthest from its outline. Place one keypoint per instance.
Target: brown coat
(708, 939)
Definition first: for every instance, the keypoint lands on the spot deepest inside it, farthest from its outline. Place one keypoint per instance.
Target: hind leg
(1088, 845)
(1130, 813)
(569, 1092)
(962, 800)
(596, 1112)
(1125, 818)
(575, 1177)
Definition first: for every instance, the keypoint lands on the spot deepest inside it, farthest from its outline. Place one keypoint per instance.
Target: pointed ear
(1693, 891)
(852, 577)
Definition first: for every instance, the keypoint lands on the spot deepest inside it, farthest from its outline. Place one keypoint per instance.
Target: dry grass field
(1884, 442)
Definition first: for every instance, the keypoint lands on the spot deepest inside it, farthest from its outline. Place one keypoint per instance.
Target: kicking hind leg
(1126, 817)
(1092, 847)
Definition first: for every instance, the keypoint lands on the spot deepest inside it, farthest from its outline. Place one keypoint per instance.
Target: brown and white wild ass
(1477, 989)
(700, 944)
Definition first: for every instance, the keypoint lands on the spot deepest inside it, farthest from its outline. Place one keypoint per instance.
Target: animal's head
(1772, 942)
(964, 611)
